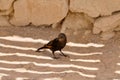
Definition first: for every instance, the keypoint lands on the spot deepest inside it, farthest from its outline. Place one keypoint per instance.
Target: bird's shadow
(49, 54)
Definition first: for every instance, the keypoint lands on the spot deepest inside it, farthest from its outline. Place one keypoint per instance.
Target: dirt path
(90, 57)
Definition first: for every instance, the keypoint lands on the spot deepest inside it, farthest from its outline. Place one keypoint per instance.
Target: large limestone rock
(21, 16)
(5, 4)
(77, 21)
(117, 28)
(39, 12)
(94, 8)
(4, 21)
(6, 12)
(108, 23)
(107, 35)
(48, 11)
(6, 7)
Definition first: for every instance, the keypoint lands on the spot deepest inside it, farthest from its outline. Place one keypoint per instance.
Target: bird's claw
(64, 55)
(37, 51)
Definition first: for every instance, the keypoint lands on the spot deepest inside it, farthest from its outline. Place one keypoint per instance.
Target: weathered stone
(39, 12)
(95, 8)
(108, 23)
(6, 12)
(4, 21)
(55, 25)
(21, 15)
(48, 11)
(5, 4)
(77, 21)
(107, 35)
(117, 28)
(87, 32)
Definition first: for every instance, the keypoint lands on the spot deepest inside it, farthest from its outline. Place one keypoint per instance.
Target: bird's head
(62, 37)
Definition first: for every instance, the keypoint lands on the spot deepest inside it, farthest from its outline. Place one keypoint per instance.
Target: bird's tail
(40, 48)
(44, 47)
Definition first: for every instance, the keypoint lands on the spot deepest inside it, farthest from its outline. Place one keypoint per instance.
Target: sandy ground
(90, 57)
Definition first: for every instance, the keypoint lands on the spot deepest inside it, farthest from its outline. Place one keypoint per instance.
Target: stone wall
(100, 16)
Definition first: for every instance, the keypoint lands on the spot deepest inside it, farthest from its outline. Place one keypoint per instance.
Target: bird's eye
(61, 37)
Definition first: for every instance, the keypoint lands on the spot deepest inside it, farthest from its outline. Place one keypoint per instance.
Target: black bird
(56, 44)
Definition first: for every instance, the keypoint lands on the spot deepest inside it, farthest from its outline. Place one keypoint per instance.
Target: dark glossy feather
(56, 44)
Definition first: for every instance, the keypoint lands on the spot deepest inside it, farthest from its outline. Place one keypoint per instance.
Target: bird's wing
(51, 43)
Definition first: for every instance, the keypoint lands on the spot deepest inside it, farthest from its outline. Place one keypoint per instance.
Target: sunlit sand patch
(53, 79)
(83, 60)
(29, 39)
(84, 45)
(71, 44)
(83, 54)
(67, 66)
(117, 71)
(24, 39)
(21, 78)
(2, 74)
(45, 57)
(118, 64)
(17, 47)
(23, 70)
(51, 65)
(48, 58)
(26, 55)
(116, 79)
(34, 49)
(78, 54)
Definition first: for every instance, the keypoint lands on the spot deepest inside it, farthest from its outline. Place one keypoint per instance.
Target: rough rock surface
(21, 15)
(117, 28)
(48, 11)
(6, 12)
(39, 12)
(94, 8)
(107, 35)
(5, 4)
(106, 23)
(4, 21)
(77, 21)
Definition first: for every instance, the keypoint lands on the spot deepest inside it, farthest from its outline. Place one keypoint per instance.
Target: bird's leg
(38, 50)
(63, 54)
(54, 55)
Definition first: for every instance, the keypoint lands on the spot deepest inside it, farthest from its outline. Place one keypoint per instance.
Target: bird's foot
(65, 55)
(37, 51)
